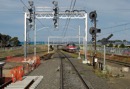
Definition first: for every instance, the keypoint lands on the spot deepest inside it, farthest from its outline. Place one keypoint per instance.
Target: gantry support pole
(25, 36)
(48, 44)
(86, 37)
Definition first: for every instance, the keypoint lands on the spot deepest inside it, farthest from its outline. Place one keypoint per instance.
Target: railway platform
(30, 82)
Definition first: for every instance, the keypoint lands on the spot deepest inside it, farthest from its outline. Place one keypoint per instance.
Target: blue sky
(113, 17)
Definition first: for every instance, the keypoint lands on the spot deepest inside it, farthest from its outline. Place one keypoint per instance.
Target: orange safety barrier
(20, 73)
(8, 57)
(17, 73)
(37, 61)
(28, 68)
(14, 74)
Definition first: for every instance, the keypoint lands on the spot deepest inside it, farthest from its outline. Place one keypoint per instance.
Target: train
(70, 47)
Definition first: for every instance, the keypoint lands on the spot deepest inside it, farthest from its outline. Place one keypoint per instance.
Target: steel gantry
(42, 14)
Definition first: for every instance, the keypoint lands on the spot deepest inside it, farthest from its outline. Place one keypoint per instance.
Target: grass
(114, 57)
(99, 73)
(20, 51)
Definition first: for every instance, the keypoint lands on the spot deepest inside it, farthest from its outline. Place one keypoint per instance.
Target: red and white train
(71, 47)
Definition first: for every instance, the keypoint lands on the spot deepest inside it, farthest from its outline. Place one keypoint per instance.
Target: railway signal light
(93, 15)
(94, 30)
(93, 38)
(30, 3)
(55, 23)
(55, 8)
(30, 22)
(31, 14)
(56, 13)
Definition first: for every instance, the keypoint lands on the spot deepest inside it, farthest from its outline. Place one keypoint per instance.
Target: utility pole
(79, 44)
(104, 41)
(104, 60)
(25, 36)
(35, 41)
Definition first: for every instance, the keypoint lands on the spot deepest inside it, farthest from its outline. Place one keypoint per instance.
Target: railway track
(118, 62)
(114, 61)
(64, 76)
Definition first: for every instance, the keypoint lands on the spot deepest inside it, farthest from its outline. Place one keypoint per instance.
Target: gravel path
(100, 82)
(50, 74)
(89, 76)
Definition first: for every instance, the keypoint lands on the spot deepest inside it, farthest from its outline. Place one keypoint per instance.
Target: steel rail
(114, 61)
(118, 62)
(80, 77)
(61, 72)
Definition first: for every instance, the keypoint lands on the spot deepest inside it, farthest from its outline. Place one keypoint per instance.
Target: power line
(23, 3)
(74, 4)
(36, 18)
(67, 22)
(40, 22)
(28, 8)
(115, 31)
(43, 25)
(115, 26)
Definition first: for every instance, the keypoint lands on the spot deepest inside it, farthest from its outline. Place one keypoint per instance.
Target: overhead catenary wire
(43, 25)
(116, 26)
(28, 8)
(71, 9)
(24, 4)
(114, 32)
(36, 18)
(68, 20)
(65, 27)
(12, 12)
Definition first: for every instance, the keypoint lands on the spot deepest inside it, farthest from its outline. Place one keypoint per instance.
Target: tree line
(8, 41)
(116, 43)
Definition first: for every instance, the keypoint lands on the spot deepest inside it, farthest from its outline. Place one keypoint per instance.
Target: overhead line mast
(29, 21)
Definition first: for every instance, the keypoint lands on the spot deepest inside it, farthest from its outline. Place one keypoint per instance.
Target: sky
(113, 17)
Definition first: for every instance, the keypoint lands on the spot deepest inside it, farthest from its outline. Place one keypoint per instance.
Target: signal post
(93, 31)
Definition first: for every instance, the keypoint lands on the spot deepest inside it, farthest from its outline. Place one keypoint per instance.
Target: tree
(110, 45)
(4, 40)
(122, 46)
(14, 41)
(116, 45)
(118, 41)
(124, 40)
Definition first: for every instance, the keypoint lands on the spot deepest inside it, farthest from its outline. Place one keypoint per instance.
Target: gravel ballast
(49, 69)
